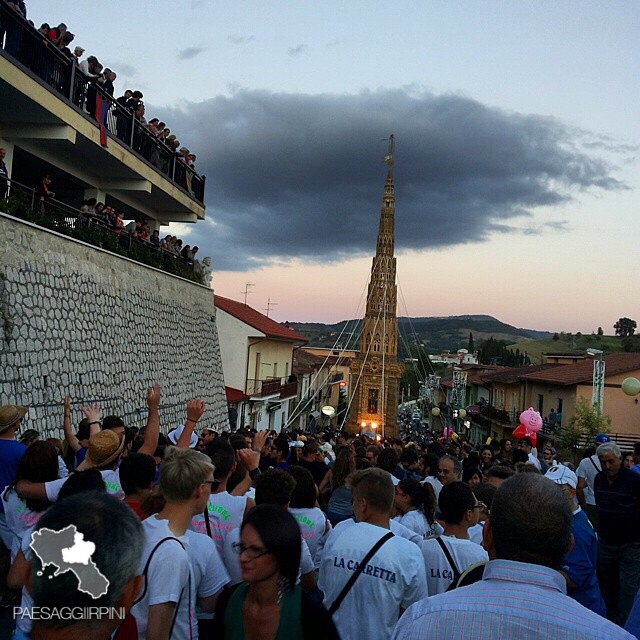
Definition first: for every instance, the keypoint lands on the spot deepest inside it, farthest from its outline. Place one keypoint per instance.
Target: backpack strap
(595, 466)
(207, 521)
(354, 576)
(449, 557)
(146, 568)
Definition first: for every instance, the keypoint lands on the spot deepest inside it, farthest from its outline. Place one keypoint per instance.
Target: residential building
(257, 362)
(323, 380)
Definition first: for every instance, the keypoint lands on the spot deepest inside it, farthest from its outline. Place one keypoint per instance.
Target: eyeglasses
(252, 552)
(479, 505)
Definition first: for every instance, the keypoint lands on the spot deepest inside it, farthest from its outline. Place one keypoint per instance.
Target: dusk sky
(517, 140)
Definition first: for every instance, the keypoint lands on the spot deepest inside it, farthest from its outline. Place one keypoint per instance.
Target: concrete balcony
(271, 388)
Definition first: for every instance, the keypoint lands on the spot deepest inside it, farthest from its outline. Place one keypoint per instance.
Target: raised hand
(92, 413)
(195, 409)
(153, 396)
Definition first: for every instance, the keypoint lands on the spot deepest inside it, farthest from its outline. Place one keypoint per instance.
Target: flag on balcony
(100, 118)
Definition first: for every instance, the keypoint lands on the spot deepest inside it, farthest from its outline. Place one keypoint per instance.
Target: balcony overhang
(47, 126)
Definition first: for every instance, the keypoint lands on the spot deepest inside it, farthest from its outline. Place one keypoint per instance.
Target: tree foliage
(625, 327)
(494, 351)
(587, 422)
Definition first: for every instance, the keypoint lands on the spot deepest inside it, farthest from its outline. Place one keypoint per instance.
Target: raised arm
(152, 430)
(195, 409)
(71, 439)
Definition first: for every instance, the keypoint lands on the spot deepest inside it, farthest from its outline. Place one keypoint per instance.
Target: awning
(235, 395)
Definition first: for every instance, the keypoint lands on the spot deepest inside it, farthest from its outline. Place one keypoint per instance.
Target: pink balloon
(531, 420)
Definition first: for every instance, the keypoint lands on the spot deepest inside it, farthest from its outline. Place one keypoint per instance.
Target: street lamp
(597, 391)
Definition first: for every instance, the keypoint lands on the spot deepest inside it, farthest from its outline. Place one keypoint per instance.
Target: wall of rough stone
(79, 320)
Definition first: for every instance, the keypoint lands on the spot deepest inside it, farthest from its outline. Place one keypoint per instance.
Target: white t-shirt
(588, 469)
(439, 572)
(209, 572)
(435, 483)
(475, 532)
(394, 578)
(314, 528)
(533, 459)
(232, 559)
(111, 479)
(19, 518)
(169, 579)
(225, 514)
(416, 521)
(396, 527)
(23, 622)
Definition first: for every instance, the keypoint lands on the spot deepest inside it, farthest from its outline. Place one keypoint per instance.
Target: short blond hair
(375, 485)
(182, 471)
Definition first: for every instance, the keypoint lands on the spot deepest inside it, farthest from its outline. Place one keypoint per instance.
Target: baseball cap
(602, 438)
(561, 474)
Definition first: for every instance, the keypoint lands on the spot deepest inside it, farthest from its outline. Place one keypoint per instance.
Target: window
(275, 369)
(541, 404)
(286, 369)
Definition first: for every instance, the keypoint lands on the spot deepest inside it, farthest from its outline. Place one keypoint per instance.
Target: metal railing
(24, 202)
(283, 387)
(24, 44)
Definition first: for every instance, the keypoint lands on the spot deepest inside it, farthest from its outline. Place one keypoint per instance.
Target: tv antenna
(269, 306)
(247, 291)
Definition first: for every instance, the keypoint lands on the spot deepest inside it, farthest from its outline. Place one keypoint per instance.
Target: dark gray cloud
(297, 50)
(301, 176)
(237, 38)
(190, 52)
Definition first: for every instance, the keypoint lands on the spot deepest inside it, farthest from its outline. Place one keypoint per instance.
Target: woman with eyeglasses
(268, 605)
(416, 505)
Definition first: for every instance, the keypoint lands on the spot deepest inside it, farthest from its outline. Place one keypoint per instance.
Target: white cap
(561, 474)
(174, 436)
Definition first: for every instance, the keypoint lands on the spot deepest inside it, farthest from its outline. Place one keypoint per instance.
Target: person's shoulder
(200, 542)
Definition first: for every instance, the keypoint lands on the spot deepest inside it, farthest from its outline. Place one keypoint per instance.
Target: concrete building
(257, 361)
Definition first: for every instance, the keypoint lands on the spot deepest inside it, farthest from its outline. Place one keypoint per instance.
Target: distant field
(568, 344)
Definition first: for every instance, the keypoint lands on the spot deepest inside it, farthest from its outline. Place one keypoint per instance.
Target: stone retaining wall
(75, 319)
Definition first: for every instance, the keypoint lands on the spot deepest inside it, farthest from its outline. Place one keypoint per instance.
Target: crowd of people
(286, 535)
(93, 90)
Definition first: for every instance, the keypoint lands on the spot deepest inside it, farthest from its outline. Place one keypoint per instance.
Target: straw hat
(104, 447)
(10, 414)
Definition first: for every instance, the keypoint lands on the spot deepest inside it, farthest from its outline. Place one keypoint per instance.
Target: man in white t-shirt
(391, 581)
(171, 579)
(587, 470)
(448, 556)
(225, 512)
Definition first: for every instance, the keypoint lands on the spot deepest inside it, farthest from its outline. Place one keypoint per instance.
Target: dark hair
(456, 498)
(274, 487)
(636, 448)
(222, 456)
(430, 461)
(484, 493)
(282, 446)
(469, 472)
(409, 456)
(136, 472)
(304, 495)
(531, 521)
(280, 535)
(38, 464)
(387, 460)
(519, 456)
(499, 471)
(117, 535)
(89, 480)
(472, 460)
(422, 496)
(110, 422)
(310, 446)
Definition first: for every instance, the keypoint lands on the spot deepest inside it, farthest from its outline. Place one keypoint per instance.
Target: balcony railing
(32, 50)
(272, 387)
(58, 216)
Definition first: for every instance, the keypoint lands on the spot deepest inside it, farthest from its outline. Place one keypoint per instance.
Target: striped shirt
(515, 601)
